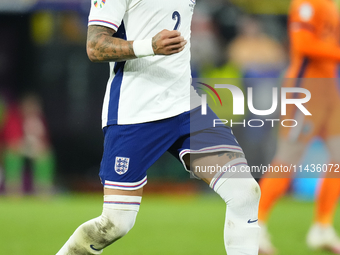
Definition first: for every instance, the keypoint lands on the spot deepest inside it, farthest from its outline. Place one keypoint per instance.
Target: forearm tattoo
(154, 42)
(103, 47)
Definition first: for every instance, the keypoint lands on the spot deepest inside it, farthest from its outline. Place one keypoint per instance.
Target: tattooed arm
(102, 47)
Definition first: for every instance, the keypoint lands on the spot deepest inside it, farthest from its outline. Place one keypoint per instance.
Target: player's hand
(168, 42)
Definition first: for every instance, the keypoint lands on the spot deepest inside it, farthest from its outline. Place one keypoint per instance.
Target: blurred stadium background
(51, 140)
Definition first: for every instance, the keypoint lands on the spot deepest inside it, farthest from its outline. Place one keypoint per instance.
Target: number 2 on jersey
(176, 16)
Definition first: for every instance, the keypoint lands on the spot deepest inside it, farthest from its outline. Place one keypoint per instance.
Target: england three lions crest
(121, 165)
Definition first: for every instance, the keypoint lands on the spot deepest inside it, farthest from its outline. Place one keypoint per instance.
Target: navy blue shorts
(129, 150)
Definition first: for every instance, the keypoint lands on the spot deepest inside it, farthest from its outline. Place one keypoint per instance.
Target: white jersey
(150, 88)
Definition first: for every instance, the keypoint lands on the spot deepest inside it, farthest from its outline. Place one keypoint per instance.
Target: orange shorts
(324, 106)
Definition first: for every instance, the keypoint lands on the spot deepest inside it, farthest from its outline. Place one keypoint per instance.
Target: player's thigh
(205, 166)
(210, 149)
(203, 145)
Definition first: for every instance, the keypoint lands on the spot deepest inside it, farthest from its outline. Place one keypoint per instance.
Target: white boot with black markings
(117, 219)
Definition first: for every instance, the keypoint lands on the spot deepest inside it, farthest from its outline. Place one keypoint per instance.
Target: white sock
(118, 217)
(241, 194)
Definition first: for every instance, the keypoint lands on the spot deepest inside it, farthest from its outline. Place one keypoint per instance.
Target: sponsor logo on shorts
(121, 165)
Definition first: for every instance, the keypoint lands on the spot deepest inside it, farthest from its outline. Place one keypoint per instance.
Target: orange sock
(271, 190)
(327, 199)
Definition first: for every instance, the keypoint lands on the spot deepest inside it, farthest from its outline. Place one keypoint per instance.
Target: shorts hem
(211, 149)
(125, 185)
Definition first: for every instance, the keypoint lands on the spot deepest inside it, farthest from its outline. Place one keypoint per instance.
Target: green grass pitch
(165, 225)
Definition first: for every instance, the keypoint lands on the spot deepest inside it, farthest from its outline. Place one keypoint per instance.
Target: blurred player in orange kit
(315, 52)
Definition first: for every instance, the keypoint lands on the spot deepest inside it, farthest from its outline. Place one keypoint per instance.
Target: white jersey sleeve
(108, 13)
